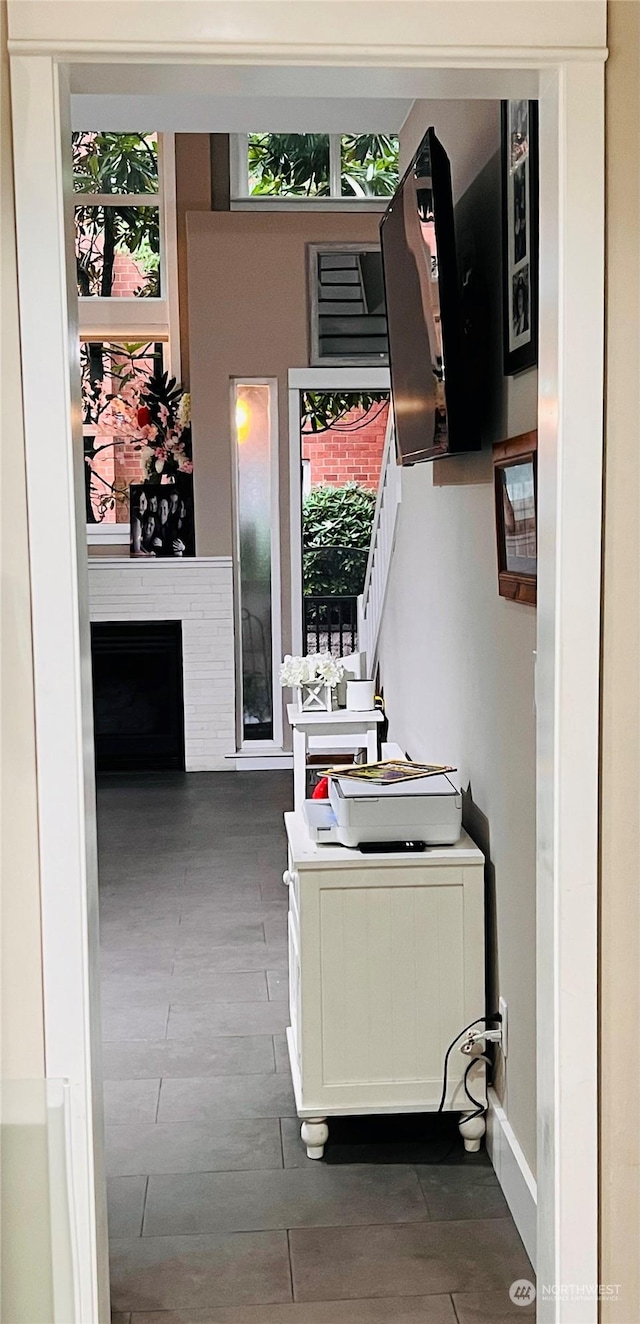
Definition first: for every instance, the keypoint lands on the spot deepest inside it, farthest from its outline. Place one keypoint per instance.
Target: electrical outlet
(502, 1008)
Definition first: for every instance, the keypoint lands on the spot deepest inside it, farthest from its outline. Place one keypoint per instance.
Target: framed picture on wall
(520, 235)
(515, 475)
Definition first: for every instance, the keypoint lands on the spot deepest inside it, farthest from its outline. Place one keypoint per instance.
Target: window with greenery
(288, 165)
(112, 375)
(318, 165)
(127, 274)
(368, 165)
(117, 222)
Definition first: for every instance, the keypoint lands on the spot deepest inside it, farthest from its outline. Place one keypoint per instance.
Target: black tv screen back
(429, 381)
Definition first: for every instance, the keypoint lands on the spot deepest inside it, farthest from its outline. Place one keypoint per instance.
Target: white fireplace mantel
(198, 591)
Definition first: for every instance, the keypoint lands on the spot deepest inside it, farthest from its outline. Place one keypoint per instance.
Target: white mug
(360, 695)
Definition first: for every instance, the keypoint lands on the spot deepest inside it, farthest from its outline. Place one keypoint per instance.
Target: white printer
(426, 809)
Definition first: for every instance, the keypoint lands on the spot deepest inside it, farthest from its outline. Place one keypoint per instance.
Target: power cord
(480, 1020)
(479, 1107)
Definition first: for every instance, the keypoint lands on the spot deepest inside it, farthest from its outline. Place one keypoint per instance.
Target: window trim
(113, 319)
(242, 200)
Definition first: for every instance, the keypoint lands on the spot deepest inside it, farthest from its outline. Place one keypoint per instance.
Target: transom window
(315, 166)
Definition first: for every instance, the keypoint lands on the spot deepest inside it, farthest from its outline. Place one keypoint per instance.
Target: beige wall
(248, 316)
(456, 659)
(193, 193)
(620, 903)
(470, 130)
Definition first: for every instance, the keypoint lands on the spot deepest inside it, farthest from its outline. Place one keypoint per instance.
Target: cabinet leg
(315, 1133)
(472, 1130)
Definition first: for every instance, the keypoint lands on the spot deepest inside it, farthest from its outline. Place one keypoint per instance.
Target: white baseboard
(208, 765)
(250, 762)
(513, 1172)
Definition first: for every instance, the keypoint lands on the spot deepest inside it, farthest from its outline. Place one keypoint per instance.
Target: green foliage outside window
(369, 165)
(336, 532)
(299, 165)
(115, 164)
(322, 410)
(289, 164)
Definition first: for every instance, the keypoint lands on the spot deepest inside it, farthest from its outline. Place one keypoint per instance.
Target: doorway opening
(42, 283)
(338, 421)
(342, 440)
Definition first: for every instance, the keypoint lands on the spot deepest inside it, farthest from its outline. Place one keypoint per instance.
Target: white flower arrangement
(184, 409)
(309, 670)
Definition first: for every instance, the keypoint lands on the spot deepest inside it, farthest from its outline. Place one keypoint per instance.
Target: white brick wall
(199, 592)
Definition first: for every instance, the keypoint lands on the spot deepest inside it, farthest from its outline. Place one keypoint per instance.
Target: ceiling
(282, 99)
(241, 114)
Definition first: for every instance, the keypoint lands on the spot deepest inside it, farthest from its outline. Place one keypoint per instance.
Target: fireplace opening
(138, 703)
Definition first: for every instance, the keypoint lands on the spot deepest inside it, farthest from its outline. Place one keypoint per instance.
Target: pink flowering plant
(126, 406)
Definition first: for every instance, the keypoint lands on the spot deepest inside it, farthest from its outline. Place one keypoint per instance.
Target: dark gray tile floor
(216, 1214)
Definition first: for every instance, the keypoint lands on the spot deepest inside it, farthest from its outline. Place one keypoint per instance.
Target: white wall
(25, 1296)
(456, 659)
(21, 1000)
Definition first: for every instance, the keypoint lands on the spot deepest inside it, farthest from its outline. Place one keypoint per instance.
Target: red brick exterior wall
(127, 277)
(339, 457)
(122, 465)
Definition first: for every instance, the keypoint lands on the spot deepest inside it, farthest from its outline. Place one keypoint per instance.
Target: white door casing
(61, 646)
(480, 47)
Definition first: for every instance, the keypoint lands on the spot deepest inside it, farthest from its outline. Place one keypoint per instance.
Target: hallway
(216, 1215)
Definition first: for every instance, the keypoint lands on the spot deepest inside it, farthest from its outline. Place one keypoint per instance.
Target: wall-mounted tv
(426, 343)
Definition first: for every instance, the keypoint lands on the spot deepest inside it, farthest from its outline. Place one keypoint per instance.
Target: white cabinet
(386, 967)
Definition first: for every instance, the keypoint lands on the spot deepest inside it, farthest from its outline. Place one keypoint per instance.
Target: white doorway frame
(479, 46)
(314, 379)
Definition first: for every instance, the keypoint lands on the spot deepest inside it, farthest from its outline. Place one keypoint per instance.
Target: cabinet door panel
(392, 981)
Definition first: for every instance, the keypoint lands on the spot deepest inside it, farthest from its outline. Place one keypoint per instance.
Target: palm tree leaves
(115, 164)
(322, 410)
(289, 163)
(299, 164)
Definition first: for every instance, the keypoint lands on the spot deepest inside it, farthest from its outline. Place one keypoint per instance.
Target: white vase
(360, 695)
(317, 697)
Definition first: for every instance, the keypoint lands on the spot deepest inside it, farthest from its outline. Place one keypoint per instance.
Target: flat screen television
(429, 379)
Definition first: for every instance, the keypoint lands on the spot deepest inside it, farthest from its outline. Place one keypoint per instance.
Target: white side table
(386, 967)
(340, 722)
